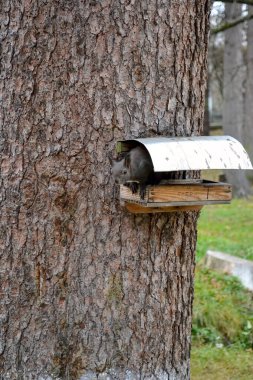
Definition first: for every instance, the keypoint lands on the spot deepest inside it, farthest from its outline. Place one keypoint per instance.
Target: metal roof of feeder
(195, 153)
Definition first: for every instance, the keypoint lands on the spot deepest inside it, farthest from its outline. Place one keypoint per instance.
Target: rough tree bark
(233, 94)
(88, 290)
(248, 123)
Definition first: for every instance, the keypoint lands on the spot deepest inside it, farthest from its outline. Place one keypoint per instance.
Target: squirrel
(135, 170)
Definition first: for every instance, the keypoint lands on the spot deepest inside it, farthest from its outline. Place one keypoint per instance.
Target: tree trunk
(87, 289)
(206, 126)
(248, 124)
(233, 94)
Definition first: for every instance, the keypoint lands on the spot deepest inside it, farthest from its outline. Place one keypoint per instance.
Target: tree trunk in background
(233, 94)
(206, 127)
(248, 123)
(88, 289)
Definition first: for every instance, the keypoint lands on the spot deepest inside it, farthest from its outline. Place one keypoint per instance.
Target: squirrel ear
(127, 161)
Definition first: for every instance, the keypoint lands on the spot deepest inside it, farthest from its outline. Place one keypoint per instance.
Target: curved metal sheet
(196, 153)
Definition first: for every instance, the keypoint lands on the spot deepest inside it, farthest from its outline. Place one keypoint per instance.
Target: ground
(223, 309)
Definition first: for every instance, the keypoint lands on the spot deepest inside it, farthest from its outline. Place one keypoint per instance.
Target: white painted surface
(222, 262)
(196, 153)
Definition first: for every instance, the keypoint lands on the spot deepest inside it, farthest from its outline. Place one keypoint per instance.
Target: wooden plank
(188, 193)
(199, 193)
(186, 203)
(126, 193)
(139, 209)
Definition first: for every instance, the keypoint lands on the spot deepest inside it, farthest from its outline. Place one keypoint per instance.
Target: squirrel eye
(124, 171)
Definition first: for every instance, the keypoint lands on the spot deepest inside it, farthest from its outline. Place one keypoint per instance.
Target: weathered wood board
(139, 209)
(177, 196)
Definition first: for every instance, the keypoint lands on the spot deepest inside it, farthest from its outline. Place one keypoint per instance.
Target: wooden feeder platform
(176, 195)
(185, 154)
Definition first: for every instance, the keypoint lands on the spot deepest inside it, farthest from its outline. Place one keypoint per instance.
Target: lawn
(228, 228)
(223, 310)
(211, 363)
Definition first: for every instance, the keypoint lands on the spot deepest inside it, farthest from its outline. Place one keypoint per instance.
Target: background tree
(248, 122)
(233, 93)
(215, 68)
(86, 288)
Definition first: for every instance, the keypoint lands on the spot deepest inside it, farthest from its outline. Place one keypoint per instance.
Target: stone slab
(225, 263)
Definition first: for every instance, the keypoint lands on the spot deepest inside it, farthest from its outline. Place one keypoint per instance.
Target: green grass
(227, 228)
(211, 363)
(223, 309)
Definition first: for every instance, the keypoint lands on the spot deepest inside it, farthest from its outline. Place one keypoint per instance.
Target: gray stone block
(225, 263)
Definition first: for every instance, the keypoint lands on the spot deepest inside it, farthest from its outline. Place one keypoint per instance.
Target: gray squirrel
(135, 170)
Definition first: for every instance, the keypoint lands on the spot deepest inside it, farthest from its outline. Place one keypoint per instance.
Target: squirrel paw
(142, 192)
(133, 186)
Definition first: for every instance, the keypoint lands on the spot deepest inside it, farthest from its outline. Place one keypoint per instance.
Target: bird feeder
(185, 154)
